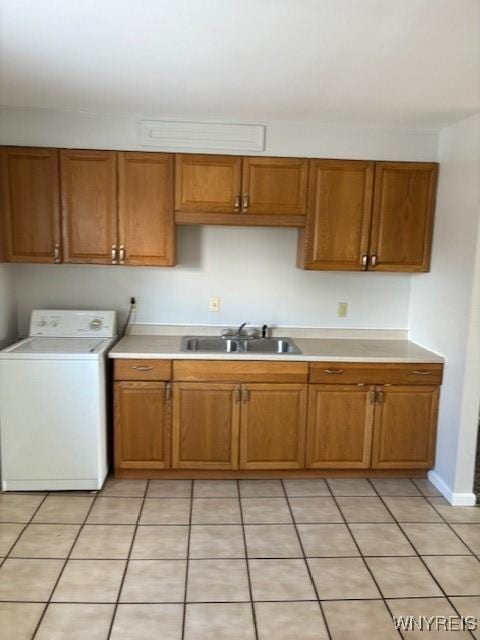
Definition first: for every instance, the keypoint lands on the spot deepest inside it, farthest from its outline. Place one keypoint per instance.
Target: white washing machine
(53, 396)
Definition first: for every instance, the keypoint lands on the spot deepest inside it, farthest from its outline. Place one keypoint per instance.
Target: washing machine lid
(57, 348)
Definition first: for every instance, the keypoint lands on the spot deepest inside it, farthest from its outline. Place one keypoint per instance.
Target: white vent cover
(202, 135)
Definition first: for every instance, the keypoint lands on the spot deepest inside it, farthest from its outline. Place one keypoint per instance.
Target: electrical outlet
(214, 304)
(342, 309)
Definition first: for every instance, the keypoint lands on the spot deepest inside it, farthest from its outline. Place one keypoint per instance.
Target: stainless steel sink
(271, 345)
(211, 345)
(208, 344)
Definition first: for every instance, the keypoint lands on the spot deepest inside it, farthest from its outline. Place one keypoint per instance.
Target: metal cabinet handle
(122, 253)
(422, 372)
(141, 368)
(380, 396)
(237, 202)
(168, 392)
(373, 260)
(246, 201)
(364, 261)
(334, 371)
(114, 253)
(372, 396)
(56, 253)
(245, 394)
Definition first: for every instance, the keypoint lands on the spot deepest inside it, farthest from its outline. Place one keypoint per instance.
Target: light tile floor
(227, 560)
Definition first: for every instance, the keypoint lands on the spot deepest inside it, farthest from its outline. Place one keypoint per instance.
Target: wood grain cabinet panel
(205, 425)
(145, 209)
(207, 183)
(340, 423)
(30, 204)
(405, 427)
(337, 230)
(89, 206)
(272, 432)
(142, 425)
(402, 221)
(275, 186)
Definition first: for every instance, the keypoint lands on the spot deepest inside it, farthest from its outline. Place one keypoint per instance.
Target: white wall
(24, 126)
(8, 310)
(251, 270)
(444, 305)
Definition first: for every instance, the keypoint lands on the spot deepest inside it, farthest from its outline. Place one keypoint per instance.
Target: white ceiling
(407, 63)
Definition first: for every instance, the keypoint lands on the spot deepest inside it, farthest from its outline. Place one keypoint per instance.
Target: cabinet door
(207, 183)
(340, 422)
(142, 425)
(205, 425)
(272, 432)
(339, 214)
(274, 186)
(31, 204)
(402, 224)
(145, 208)
(405, 427)
(89, 205)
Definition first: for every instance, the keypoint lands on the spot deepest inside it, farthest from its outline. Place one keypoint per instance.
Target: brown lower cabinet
(405, 427)
(209, 422)
(340, 426)
(142, 425)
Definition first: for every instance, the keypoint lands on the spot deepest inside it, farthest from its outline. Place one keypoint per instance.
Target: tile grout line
(418, 554)
(314, 586)
(117, 601)
(347, 524)
(247, 560)
(80, 529)
(24, 526)
(187, 560)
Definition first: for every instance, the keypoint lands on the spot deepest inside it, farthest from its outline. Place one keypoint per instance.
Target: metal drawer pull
(114, 253)
(237, 202)
(364, 261)
(122, 253)
(246, 201)
(373, 260)
(334, 371)
(141, 368)
(237, 393)
(372, 395)
(245, 394)
(168, 392)
(380, 396)
(56, 253)
(422, 372)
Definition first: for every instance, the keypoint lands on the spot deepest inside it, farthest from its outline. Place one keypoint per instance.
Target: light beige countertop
(313, 349)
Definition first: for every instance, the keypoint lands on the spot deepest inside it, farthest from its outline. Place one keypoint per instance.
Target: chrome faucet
(238, 332)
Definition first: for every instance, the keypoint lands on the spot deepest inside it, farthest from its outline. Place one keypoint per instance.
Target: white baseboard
(455, 499)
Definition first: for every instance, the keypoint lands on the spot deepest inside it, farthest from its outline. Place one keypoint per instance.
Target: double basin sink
(228, 344)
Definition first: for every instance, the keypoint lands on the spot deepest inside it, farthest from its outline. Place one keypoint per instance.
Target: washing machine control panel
(54, 323)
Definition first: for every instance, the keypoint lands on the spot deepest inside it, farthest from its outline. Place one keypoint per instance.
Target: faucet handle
(264, 330)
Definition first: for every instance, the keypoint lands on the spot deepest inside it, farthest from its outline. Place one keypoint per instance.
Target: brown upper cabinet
(208, 183)
(136, 230)
(365, 215)
(89, 206)
(30, 204)
(146, 232)
(233, 190)
(402, 220)
(339, 213)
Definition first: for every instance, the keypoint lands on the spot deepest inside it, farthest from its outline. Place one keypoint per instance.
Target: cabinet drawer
(142, 369)
(375, 373)
(236, 371)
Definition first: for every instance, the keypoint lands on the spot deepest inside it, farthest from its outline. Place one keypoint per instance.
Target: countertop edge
(118, 355)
